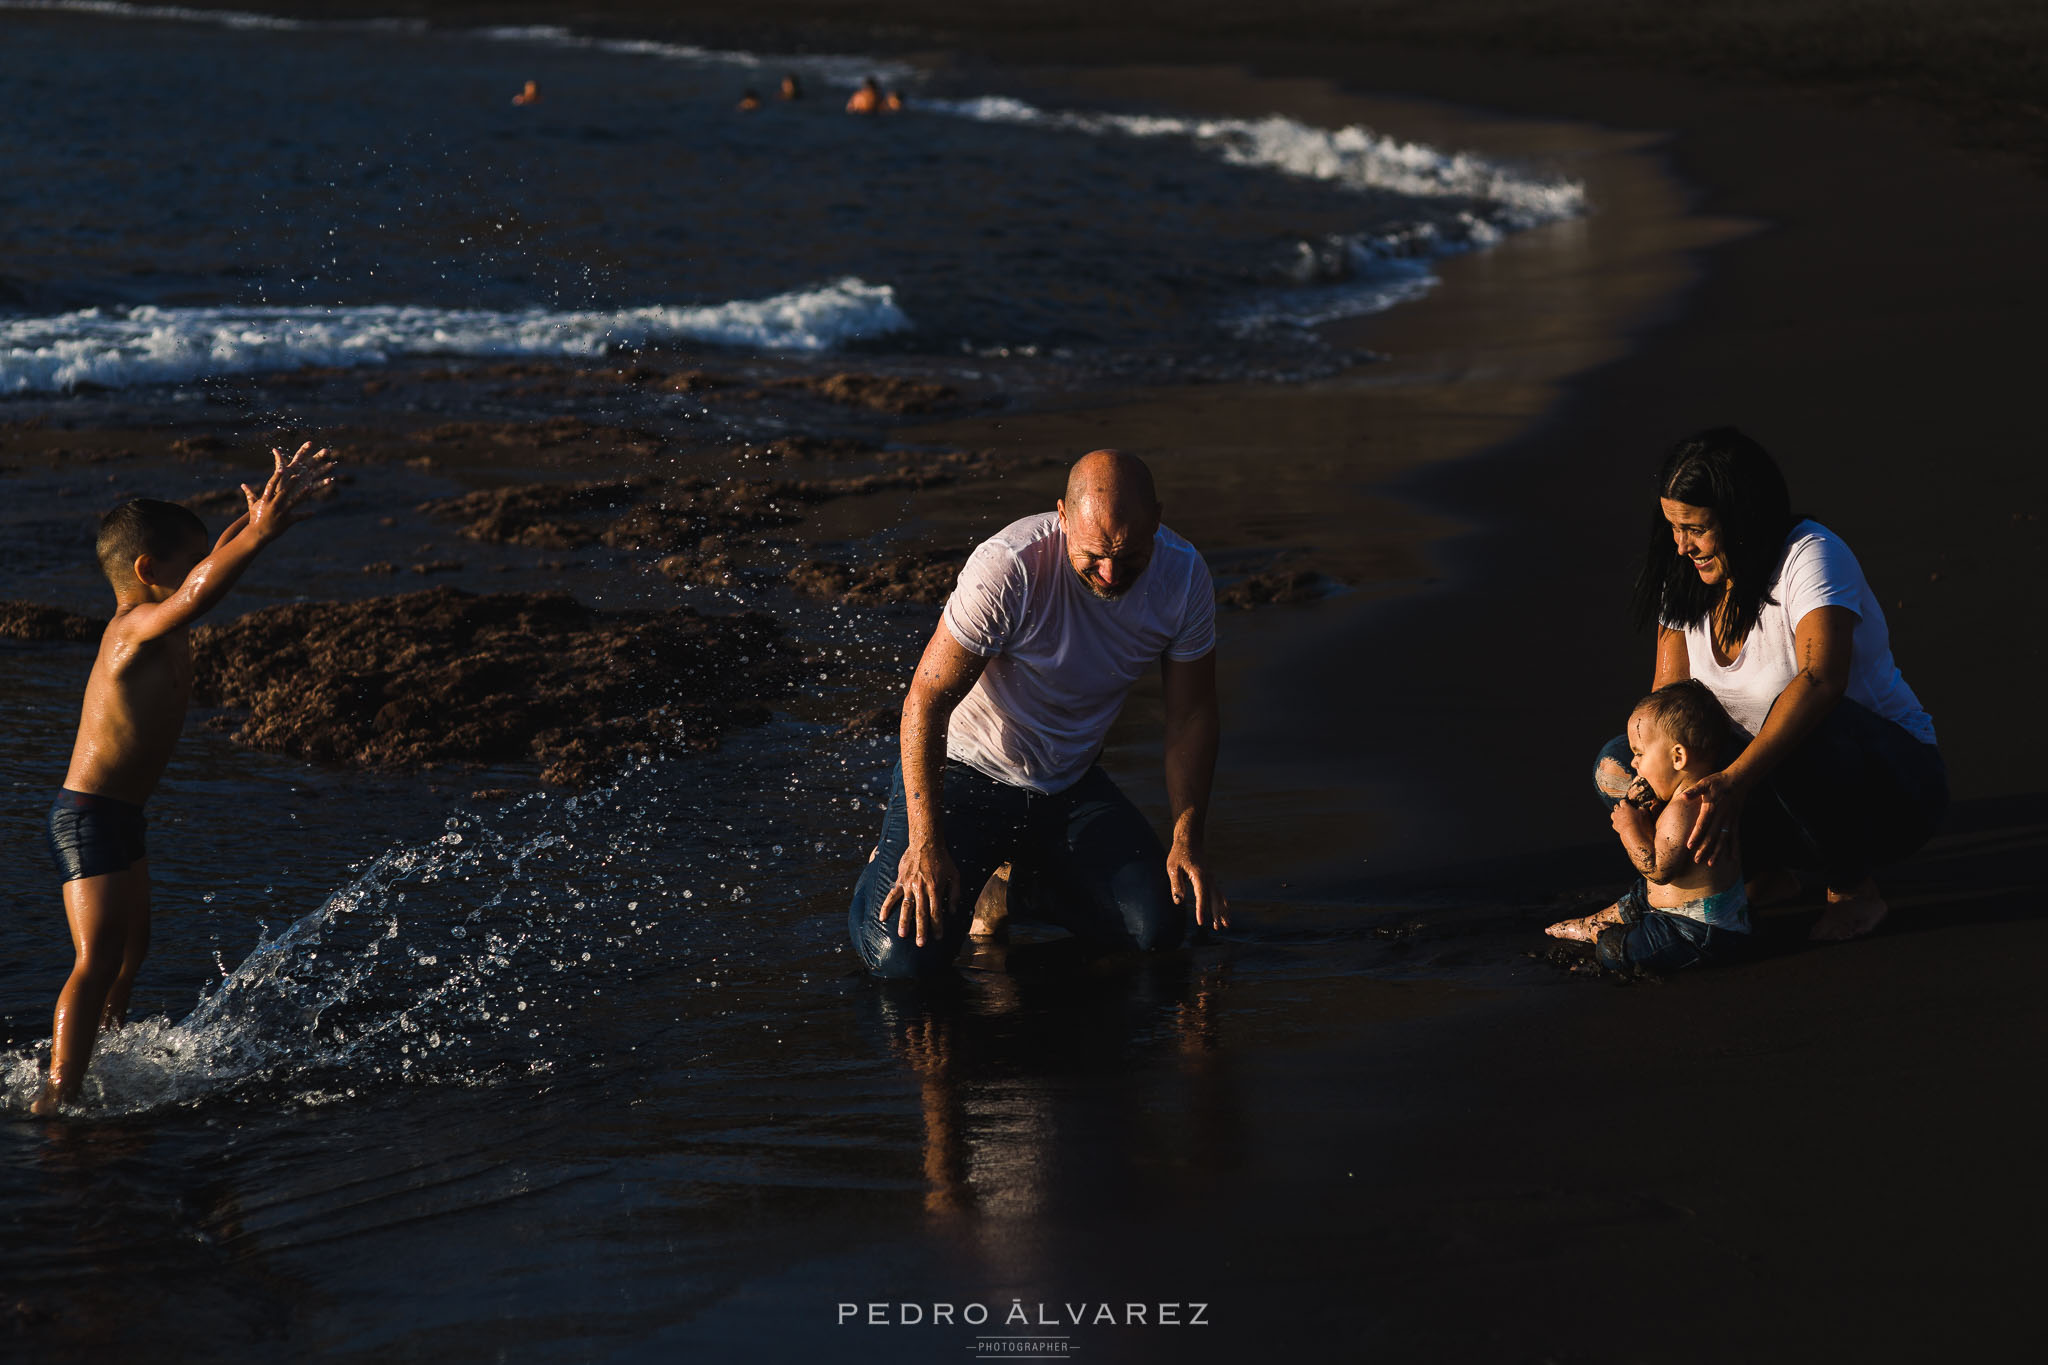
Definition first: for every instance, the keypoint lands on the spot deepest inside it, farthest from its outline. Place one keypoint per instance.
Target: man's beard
(1102, 593)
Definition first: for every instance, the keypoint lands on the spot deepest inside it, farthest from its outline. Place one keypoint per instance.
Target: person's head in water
(892, 103)
(749, 101)
(530, 95)
(146, 548)
(792, 88)
(1110, 516)
(1679, 734)
(867, 99)
(1720, 521)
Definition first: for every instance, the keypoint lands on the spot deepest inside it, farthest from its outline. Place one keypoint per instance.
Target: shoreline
(1506, 1161)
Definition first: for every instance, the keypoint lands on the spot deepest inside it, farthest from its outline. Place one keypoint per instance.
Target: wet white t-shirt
(1816, 570)
(1061, 659)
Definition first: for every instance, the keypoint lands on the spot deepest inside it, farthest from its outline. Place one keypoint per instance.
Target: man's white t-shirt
(1816, 570)
(1060, 659)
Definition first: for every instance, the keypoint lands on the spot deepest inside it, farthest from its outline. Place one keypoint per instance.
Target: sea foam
(1354, 273)
(149, 345)
(831, 68)
(1355, 157)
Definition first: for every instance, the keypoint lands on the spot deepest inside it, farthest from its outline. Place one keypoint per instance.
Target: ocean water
(566, 1077)
(193, 195)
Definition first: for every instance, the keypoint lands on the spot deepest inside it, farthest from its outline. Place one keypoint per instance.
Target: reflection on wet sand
(1018, 1121)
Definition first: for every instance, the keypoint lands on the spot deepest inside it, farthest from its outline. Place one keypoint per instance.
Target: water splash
(466, 959)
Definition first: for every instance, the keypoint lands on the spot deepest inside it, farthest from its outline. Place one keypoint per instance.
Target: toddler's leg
(133, 950)
(97, 908)
(1586, 928)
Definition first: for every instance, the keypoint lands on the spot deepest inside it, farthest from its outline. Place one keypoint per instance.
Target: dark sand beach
(1372, 1122)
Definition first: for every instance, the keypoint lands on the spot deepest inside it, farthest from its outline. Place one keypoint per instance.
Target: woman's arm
(1824, 645)
(1673, 665)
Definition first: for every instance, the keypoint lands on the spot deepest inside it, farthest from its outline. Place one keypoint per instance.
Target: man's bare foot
(1586, 928)
(47, 1103)
(1775, 887)
(1850, 914)
(992, 908)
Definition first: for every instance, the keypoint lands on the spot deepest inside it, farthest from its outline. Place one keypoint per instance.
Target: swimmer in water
(792, 89)
(530, 95)
(867, 99)
(165, 576)
(892, 103)
(749, 102)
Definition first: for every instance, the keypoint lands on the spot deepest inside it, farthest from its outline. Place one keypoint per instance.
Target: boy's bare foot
(1586, 928)
(1775, 887)
(1850, 914)
(992, 909)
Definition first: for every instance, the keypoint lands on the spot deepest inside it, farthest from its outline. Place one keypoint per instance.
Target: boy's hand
(291, 483)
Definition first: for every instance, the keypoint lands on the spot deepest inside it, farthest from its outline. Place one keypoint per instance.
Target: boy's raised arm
(234, 529)
(270, 513)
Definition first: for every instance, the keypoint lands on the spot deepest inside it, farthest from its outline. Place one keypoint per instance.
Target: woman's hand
(1721, 796)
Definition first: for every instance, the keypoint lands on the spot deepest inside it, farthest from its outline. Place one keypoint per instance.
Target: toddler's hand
(1629, 820)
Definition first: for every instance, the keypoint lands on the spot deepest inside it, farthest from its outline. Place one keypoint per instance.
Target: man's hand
(1191, 881)
(291, 483)
(927, 886)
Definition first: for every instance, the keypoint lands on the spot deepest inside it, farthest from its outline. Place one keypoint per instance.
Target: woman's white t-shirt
(1816, 570)
(1060, 659)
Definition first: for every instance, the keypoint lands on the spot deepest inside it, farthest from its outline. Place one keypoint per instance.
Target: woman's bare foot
(1850, 914)
(1776, 887)
(1587, 928)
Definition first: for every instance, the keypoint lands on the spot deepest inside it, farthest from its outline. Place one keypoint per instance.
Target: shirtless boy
(156, 556)
(1680, 913)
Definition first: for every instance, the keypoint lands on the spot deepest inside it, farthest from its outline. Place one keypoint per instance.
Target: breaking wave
(117, 348)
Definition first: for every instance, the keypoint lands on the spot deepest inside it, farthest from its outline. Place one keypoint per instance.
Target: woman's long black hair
(1725, 471)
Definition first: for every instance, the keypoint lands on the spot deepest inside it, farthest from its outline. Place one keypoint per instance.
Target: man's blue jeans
(1084, 859)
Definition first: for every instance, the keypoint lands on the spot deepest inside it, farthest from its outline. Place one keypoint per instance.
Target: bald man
(1053, 620)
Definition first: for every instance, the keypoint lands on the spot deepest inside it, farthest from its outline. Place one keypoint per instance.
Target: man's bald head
(1112, 484)
(1111, 515)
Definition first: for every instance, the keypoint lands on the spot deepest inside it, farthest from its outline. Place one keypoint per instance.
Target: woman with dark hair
(1772, 613)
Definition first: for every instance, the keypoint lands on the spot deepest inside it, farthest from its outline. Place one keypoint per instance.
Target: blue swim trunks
(91, 836)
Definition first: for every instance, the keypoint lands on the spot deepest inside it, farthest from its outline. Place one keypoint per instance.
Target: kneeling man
(1053, 619)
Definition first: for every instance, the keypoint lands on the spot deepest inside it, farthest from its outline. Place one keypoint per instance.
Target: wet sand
(1825, 1153)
